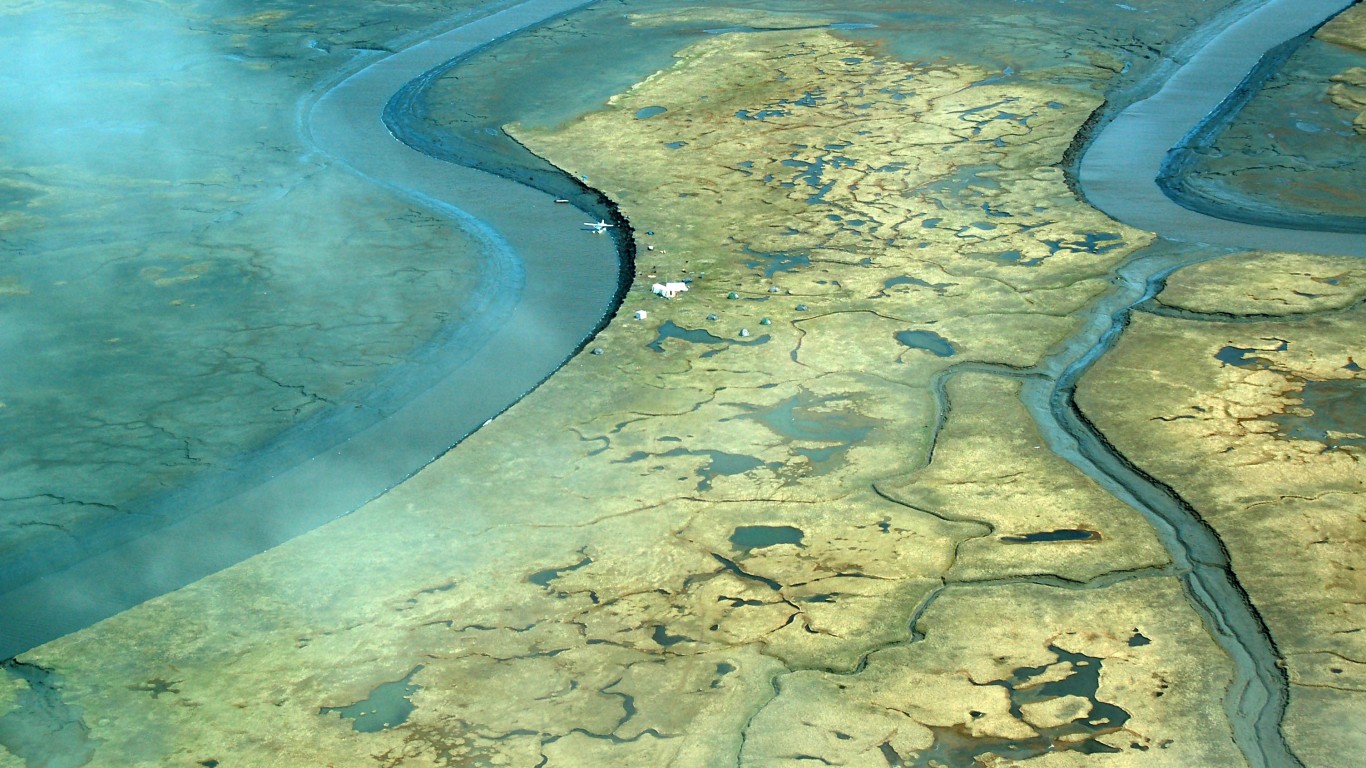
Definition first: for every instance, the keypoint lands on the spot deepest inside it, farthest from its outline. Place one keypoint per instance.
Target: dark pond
(1065, 534)
(748, 537)
(928, 341)
(1337, 414)
(386, 707)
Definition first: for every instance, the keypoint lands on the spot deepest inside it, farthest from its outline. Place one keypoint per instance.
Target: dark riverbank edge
(551, 286)
(1174, 176)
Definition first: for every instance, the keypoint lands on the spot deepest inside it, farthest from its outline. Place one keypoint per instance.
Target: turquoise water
(182, 280)
(388, 706)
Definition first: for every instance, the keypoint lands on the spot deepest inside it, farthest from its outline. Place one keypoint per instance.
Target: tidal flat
(797, 515)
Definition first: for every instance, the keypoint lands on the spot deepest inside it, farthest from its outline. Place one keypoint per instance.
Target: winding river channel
(1124, 165)
(554, 285)
(561, 283)
(1135, 145)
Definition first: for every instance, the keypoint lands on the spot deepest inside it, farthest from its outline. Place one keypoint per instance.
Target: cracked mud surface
(768, 543)
(1258, 424)
(1012, 686)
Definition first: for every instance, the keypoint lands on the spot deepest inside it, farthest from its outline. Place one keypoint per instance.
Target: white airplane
(598, 226)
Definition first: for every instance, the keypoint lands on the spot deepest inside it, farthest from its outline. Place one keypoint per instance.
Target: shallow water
(386, 707)
(953, 747)
(928, 341)
(181, 279)
(1330, 412)
(748, 537)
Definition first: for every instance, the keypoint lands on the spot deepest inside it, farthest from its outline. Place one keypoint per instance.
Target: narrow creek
(1257, 698)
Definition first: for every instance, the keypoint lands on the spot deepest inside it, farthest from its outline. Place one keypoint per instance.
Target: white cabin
(669, 290)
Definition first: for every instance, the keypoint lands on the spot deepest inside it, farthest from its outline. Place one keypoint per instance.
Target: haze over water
(763, 497)
(181, 279)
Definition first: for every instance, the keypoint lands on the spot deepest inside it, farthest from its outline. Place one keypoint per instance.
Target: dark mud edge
(1174, 179)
